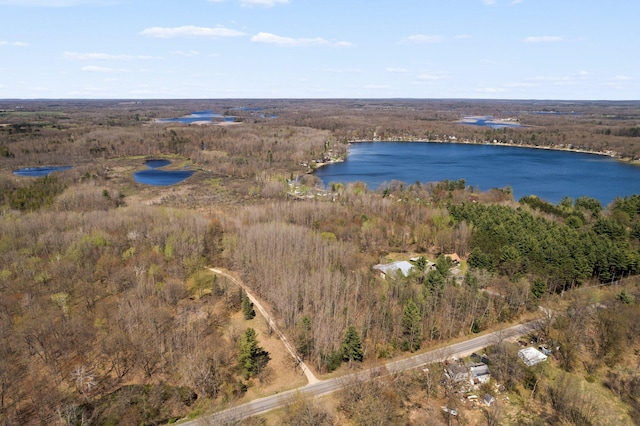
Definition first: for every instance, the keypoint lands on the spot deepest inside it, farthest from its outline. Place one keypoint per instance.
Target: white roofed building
(391, 268)
(531, 356)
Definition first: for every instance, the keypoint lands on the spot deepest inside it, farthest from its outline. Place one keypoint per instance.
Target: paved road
(322, 387)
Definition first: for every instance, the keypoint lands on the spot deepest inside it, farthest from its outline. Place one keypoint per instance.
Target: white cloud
(428, 77)
(491, 90)
(521, 85)
(48, 3)
(14, 43)
(550, 79)
(422, 38)
(94, 56)
(187, 54)
(288, 41)
(251, 3)
(542, 39)
(566, 80)
(377, 86)
(396, 70)
(94, 68)
(80, 56)
(191, 31)
(622, 78)
(517, 1)
(267, 3)
(489, 2)
(342, 70)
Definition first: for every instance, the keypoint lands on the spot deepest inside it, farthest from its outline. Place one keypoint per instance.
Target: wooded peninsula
(110, 313)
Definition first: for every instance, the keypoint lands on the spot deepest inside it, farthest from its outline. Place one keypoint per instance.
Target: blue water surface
(156, 177)
(488, 121)
(196, 116)
(40, 171)
(156, 164)
(551, 175)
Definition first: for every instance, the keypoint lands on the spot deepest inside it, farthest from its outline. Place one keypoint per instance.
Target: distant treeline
(630, 132)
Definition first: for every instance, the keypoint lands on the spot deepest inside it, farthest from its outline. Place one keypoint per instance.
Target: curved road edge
(324, 387)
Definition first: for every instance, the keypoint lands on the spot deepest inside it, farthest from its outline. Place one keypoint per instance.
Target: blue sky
(502, 49)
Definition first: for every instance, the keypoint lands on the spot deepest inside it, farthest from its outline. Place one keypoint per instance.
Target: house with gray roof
(391, 268)
(479, 374)
(531, 356)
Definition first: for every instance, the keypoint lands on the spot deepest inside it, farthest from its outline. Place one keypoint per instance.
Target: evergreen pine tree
(351, 347)
(538, 288)
(247, 307)
(304, 337)
(411, 327)
(251, 357)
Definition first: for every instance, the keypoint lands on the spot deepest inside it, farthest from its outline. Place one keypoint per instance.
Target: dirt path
(311, 378)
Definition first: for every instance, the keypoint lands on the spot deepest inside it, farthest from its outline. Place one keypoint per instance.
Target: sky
(209, 49)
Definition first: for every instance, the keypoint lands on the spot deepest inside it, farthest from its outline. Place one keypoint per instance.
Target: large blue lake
(551, 175)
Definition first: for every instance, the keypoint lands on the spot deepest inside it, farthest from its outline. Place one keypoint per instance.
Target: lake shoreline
(549, 148)
(611, 154)
(549, 172)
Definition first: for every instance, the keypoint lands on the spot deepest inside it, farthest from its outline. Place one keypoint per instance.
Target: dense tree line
(564, 253)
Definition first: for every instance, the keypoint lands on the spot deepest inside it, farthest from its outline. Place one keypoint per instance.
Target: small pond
(489, 121)
(156, 164)
(156, 177)
(40, 171)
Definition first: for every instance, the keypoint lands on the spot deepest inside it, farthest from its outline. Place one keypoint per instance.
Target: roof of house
(401, 265)
(488, 399)
(531, 356)
(457, 372)
(454, 257)
(479, 370)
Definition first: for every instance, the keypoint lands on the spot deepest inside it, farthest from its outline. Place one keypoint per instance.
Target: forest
(110, 314)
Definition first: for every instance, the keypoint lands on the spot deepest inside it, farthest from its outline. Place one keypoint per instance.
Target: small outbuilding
(488, 400)
(531, 356)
